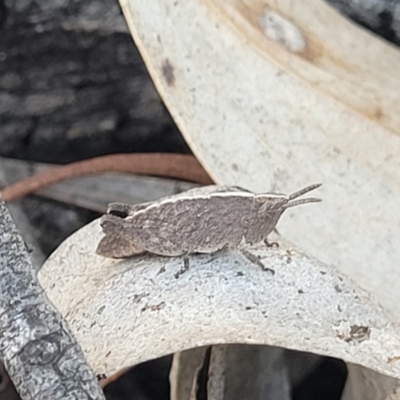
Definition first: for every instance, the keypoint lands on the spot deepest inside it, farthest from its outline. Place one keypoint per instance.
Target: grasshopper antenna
(299, 193)
(307, 189)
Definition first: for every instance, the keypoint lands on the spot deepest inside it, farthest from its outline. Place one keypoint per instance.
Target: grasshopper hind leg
(256, 260)
(270, 244)
(185, 267)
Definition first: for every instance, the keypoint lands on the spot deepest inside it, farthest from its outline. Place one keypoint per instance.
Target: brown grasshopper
(201, 220)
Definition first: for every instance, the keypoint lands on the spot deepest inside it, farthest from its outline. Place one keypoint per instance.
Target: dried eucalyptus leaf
(272, 95)
(127, 311)
(184, 367)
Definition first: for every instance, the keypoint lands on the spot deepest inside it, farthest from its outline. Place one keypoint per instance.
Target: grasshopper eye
(118, 213)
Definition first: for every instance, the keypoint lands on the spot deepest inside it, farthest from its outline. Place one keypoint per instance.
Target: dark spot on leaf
(101, 376)
(391, 360)
(337, 288)
(360, 333)
(168, 72)
(161, 270)
(155, 307)
(101, 309)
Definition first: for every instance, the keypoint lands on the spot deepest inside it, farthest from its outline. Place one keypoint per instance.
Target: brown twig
(178, 166)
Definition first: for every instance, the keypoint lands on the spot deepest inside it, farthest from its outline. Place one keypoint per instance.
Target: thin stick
(178, 166)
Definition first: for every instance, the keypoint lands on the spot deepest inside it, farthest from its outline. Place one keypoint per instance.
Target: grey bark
(72, 84)
(24, 227)
(40, 354)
